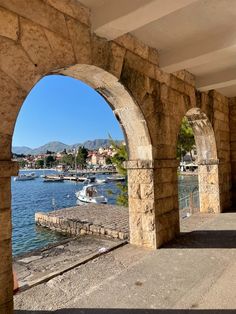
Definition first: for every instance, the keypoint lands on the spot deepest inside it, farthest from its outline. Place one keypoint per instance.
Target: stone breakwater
(107, 220)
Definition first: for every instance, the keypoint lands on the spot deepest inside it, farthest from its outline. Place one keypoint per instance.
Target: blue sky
(63, 109)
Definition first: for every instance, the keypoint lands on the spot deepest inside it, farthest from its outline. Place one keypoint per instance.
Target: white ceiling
(197, 35)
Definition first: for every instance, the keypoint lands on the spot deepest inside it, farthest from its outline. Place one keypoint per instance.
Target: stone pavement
(44, 264)
(197, 272)
(109, 220)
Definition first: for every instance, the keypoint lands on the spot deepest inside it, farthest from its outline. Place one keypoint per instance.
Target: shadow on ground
(207, 239)
(126, 311)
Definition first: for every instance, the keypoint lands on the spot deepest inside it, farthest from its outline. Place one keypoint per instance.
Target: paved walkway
(196, 272)
(109, 220)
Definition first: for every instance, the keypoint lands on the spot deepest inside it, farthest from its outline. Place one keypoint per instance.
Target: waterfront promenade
(196, 272)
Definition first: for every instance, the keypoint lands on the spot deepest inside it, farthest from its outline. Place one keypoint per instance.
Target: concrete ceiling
(196, 35)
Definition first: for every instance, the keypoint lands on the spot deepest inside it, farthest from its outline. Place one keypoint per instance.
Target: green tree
(39, 163)
(108, 160)
(50, 160)
(81, 157)
(22, 163)
(186, 142)
(68, 160)
(118, 160)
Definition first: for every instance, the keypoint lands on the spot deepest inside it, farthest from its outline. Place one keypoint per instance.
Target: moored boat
(24, 177)
(89, 194)
(101, 181)
(53, 179)
(116, 178)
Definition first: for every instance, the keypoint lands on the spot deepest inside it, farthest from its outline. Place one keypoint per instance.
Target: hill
(56, 147)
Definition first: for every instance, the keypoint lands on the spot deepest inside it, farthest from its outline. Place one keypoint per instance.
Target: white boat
(115, 178)
(89, 194)
(101, 181)
(24, 177)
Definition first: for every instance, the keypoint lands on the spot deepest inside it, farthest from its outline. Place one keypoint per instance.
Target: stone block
(148, 222)
(167, 189)
(5, 140)
(34, 41)
(185, 76)
(177, 84)
(140, 176)
(165, 175)
(141, 206)
(5, 223)
(134, 190)
(6, 286)
(100, 52)
(81, 40)
(147, 191)
(153, 55)
(15, 62)
(39, 12)
(61, 48)
(6, 255)
(5, 193)
(219, 115)
(116, 59)
(141, 65)
(165, 205)
(162, 76)
(9, 26)
(8, 168)
(72, 8)
(127, 41)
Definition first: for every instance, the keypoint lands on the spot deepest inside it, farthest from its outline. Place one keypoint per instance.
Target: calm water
(29, 197)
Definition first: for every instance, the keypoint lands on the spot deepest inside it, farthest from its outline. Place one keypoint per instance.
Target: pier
(111, 221)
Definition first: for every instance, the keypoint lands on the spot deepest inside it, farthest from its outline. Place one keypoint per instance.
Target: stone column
(142, 222)
(153, 202)
(166, 200)
(208, 178)
(7, 169)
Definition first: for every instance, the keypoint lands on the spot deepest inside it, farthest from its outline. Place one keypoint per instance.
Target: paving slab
(47, 263)
(196, 272)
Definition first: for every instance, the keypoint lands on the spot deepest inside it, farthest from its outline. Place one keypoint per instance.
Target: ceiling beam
(202, 52)
(116, 18)
(217, 80)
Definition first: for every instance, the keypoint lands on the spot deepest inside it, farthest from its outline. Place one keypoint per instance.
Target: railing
(190, 201)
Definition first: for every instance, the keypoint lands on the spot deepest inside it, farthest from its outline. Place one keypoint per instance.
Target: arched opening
(207, 164)
(125, 109)
(130, 118)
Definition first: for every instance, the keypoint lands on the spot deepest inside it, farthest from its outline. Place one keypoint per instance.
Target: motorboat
(116, 178)
(101, 181)
(24, 177)
(89, 194)
(53, 179)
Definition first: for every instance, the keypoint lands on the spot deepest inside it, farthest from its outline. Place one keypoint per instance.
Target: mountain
(52, 147)
(59, 146)
(22, 150)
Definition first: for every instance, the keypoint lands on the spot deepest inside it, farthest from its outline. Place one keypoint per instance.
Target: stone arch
(208, 176)
(59, 44)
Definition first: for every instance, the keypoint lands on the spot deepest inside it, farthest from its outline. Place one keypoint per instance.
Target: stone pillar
(7, 169)
(153, 202)
(166, 200)
(142, 222)
(208, 178)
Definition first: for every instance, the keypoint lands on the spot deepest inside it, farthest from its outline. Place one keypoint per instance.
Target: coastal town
(66, 160)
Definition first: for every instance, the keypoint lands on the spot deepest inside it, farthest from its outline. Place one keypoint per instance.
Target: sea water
(29, 197)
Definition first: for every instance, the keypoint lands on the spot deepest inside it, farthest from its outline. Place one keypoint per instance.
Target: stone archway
(208, 177)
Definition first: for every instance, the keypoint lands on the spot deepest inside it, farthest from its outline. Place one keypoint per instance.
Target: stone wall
(232, 115)
(42, 37)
